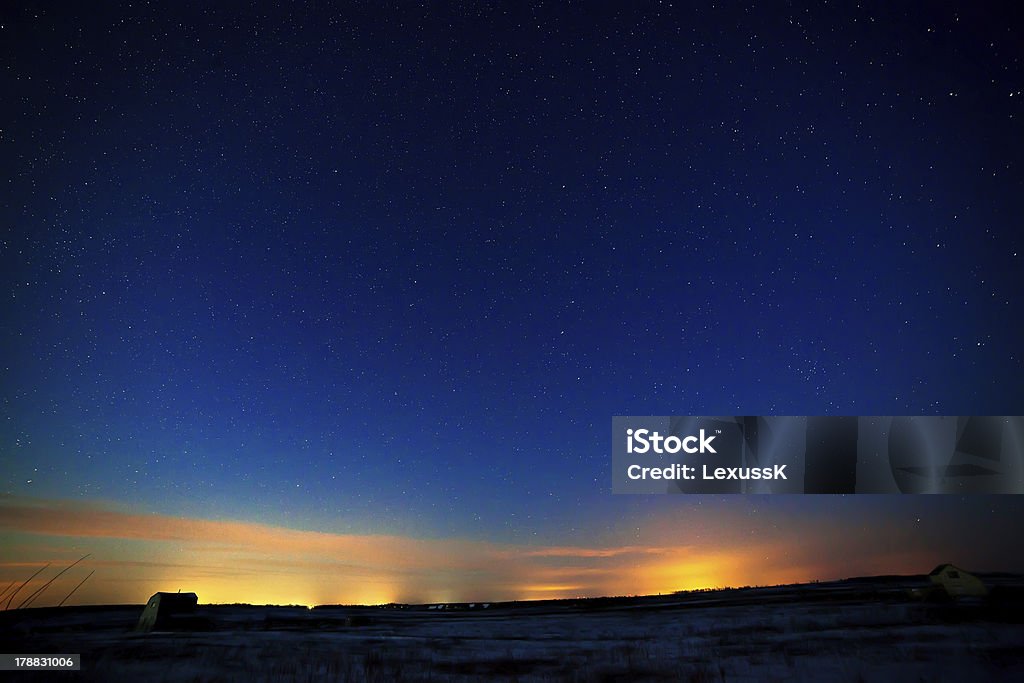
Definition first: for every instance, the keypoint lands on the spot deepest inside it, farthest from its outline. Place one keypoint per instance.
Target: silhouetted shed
(164, 611)
(957, 582)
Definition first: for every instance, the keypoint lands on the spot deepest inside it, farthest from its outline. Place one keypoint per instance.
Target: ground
(834, 632)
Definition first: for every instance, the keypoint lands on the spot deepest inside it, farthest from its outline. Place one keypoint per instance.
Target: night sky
(322, 303)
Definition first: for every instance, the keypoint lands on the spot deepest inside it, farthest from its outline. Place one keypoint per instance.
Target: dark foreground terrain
(861, 630)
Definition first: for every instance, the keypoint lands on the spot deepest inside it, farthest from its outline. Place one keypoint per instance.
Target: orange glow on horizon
(238, 562)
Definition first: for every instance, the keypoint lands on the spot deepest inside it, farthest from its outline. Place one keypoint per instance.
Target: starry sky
(321, 302)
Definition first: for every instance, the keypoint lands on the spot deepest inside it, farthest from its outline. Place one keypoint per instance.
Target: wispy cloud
(244, 561)
(237, 561)
(570, 551)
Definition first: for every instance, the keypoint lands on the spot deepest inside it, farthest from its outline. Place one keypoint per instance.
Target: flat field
(847, 631)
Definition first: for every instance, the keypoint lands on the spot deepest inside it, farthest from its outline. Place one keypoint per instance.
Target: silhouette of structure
(167, 611)
(957, 582)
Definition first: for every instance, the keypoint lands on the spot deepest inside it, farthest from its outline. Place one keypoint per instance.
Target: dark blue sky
(392, 270)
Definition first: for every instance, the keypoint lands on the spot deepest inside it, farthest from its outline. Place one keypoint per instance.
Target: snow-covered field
(766, 634)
